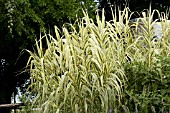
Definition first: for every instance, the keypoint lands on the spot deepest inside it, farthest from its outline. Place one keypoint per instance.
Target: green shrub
(148, 88)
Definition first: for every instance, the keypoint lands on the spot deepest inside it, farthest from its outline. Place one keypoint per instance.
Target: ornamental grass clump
(96, 66)
(80, 70)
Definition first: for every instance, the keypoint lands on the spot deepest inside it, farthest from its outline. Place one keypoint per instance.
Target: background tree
(21, 22)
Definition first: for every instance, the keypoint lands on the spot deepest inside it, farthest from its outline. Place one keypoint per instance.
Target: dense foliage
(102, 67)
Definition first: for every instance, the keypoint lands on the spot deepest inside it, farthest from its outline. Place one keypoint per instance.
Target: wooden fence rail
(11, 106)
